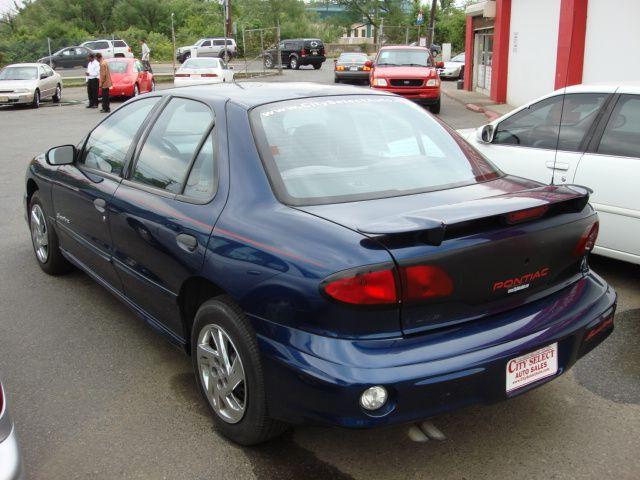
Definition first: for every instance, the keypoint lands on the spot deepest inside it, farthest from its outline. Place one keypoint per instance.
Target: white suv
(208, 47)
(109, 48)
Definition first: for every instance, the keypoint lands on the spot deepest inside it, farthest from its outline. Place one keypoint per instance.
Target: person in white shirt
(145, 55)
(92, 74)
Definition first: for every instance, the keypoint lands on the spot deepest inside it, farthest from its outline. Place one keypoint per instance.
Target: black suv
(296, 52)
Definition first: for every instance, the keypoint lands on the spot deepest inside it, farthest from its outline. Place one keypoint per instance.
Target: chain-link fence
(399, 34)
(260, 52)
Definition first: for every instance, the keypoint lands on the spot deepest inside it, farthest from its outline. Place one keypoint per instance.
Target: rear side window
(171, 144)
(338, 149)
(119, 44)
(97, 45)
(107, 146)
(622, 134)
(203, 179)
(538, 126)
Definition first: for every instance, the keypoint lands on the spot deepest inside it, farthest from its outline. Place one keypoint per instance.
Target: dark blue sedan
(325, 254)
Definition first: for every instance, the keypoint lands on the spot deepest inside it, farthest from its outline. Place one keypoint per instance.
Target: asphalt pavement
(97, 394)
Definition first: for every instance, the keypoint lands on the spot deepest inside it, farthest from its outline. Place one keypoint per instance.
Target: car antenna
(564, 95)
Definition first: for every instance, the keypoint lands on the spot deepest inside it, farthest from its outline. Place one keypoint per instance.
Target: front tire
(229, 373)
(36, 99)
(435, 108)
(45, 240)
(58, 95)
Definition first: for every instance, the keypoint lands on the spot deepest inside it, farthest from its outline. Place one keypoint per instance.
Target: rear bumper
(311, 59)
(427, 374)
(347, 75)
(10, 459)
(121, 91)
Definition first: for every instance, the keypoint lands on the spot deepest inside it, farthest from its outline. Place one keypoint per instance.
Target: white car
(109, 48)
(29, 83)
(10, 457)
(196, 71)
(454, 68)
(597, 145)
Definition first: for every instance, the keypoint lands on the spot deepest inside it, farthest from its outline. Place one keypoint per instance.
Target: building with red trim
(517, 50)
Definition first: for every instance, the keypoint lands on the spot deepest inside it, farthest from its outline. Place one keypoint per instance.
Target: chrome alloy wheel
(222, 373)
(39, 233)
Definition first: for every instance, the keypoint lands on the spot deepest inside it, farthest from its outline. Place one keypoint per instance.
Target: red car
(129, 78)
(407, 71)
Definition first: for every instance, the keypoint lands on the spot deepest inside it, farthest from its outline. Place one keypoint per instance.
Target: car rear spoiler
(432, 223)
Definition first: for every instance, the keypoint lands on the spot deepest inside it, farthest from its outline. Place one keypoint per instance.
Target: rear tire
(45, 240)
(317, 66)
(136, 90)
(294, 64)
(435, 108)
(253, 424)
(268, 62)
(336, 80)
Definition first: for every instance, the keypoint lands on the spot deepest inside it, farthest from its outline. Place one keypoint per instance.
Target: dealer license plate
(314, 52)
(354, 69)
(534, 366)
(4, 99)
(195, 75)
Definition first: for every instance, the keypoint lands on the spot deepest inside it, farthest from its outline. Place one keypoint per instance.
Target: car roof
(31, 64)
(404, 47)
(251, 94)
(604, 87)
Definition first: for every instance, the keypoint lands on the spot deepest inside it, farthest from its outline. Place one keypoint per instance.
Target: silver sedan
(29, 83)
(10, 460)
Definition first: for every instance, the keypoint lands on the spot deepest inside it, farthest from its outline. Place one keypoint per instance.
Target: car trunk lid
(498, 244)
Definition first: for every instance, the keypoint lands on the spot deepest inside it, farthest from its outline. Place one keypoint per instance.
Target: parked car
(29, 83)
(208, 47)
(350, 67)
(203, 70)
(407, 71)
(597, 145)
(109, 48)
(296, 53)
(69, 57)
(10, 457)
(349, 282)
(129, 78)
(454, 68)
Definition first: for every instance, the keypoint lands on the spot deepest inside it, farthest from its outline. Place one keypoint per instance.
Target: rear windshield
(360, 147)
(353, 57)
(410, 56)
(118, 67)
(201, 63)
(19, 73)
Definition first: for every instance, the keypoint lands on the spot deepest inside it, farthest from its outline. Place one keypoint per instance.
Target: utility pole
(432, 23)
(173, 39)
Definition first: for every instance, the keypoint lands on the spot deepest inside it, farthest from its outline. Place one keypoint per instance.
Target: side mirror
(485, 133)
(368, 63)
(63, 155)
(439, 64)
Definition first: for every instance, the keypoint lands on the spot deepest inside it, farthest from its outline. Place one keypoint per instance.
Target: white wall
(533, 47)
(612, 41)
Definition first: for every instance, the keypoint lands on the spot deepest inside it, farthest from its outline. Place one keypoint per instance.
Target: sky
(6, 5)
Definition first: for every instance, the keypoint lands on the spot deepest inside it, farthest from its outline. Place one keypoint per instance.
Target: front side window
(539, 126)
(415, 57)
(338, 149)
(171, 144)
(107, 146)
(622, 134)
(206, 43)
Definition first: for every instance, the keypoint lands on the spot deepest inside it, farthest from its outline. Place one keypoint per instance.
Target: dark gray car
(68, 57)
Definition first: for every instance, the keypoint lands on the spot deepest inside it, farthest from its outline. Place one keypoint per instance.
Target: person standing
(146, 51)
(92, 75)
(105, 82)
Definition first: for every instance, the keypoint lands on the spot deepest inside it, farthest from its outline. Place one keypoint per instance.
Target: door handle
(558, 165)
(188, 243)
(100, 204)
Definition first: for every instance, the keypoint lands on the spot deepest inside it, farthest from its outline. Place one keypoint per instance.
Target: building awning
(487, 9)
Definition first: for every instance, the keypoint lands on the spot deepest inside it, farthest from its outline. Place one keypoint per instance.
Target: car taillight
(366, 69)
(419, 282)
(209, 75)
(526, 215)
(129, 49)
(425, 281)
(303, 52)
(339, 67)
(587, 240)
(367, 288)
